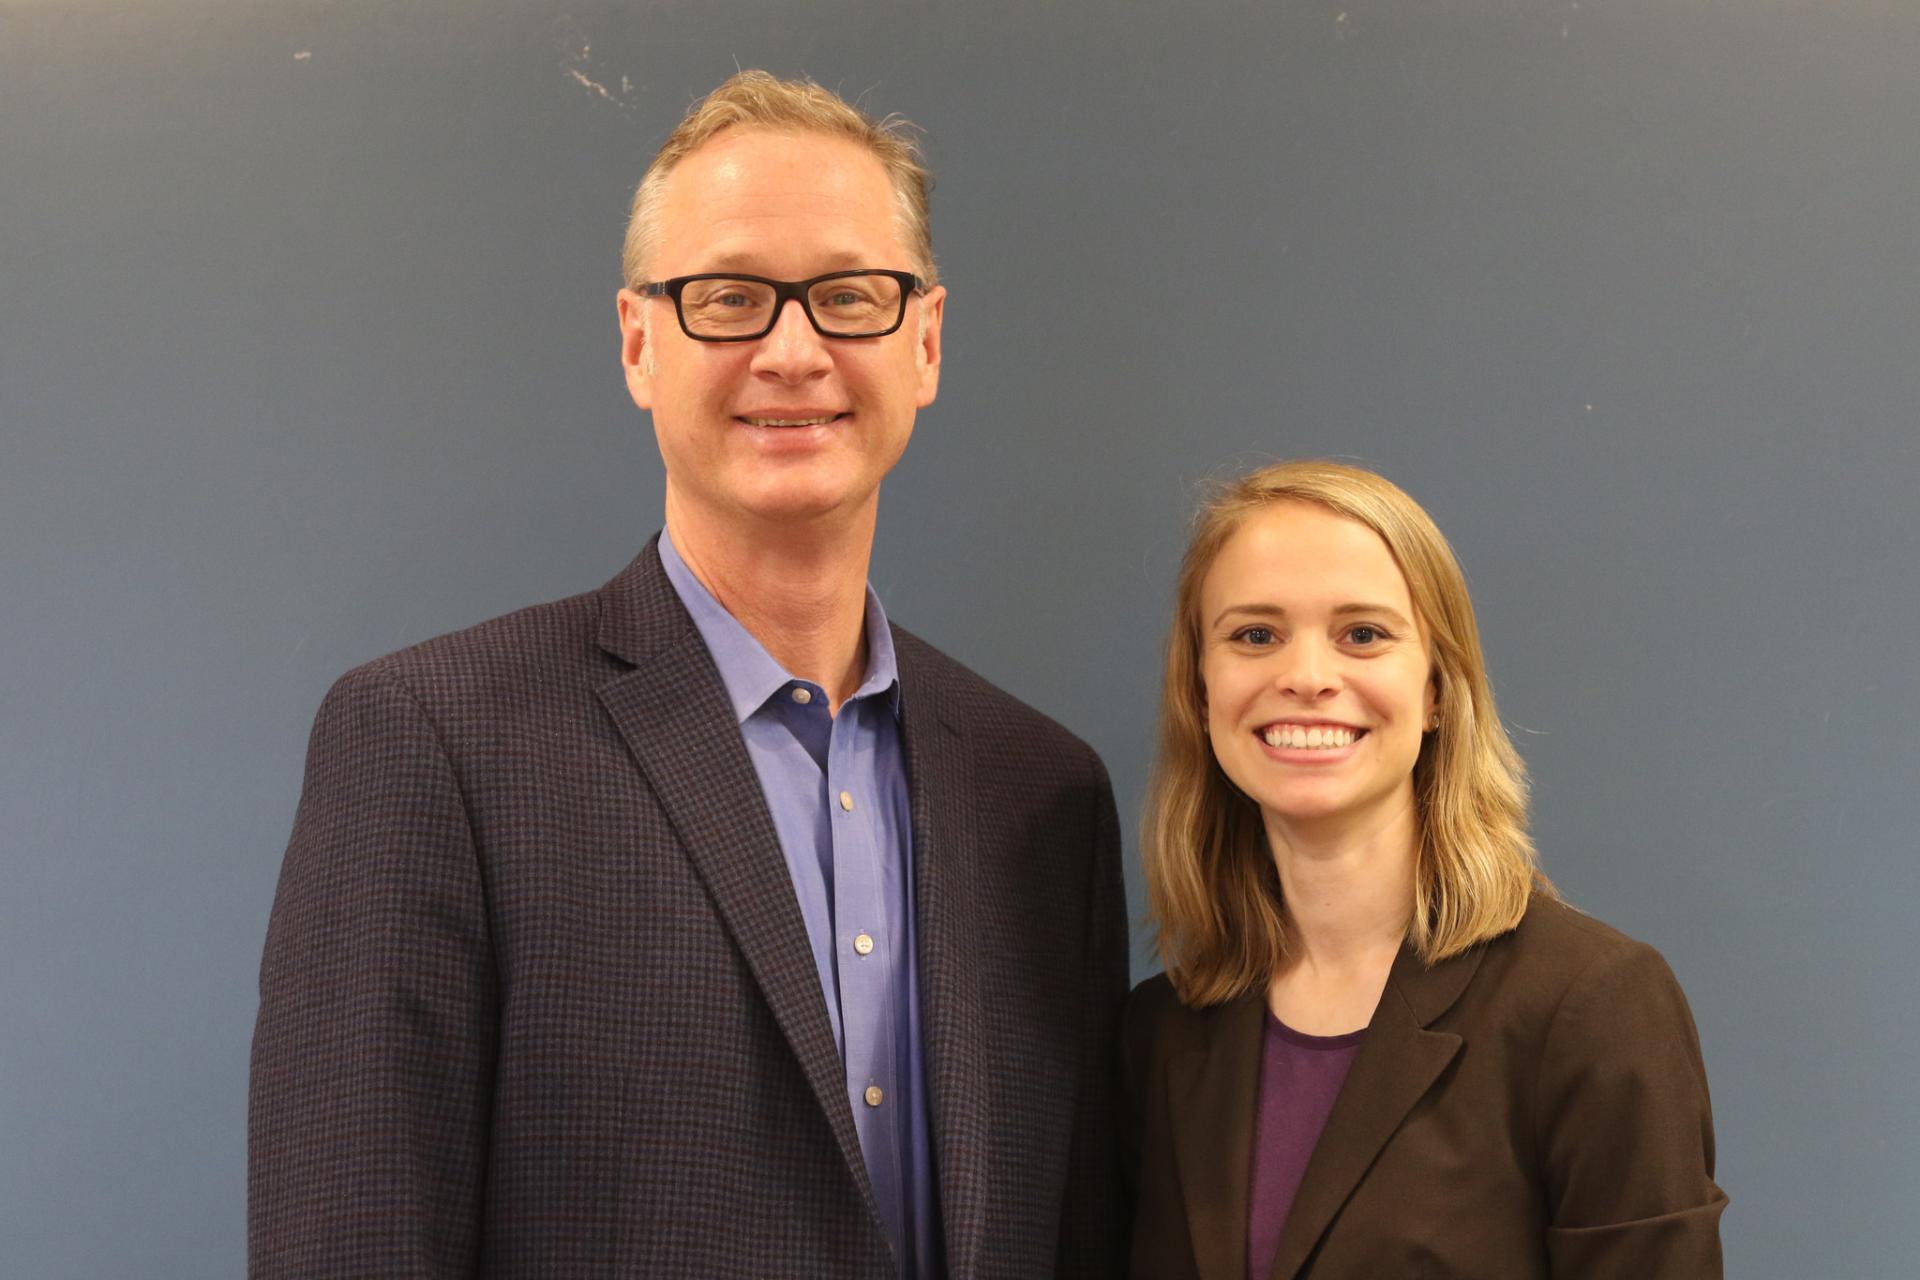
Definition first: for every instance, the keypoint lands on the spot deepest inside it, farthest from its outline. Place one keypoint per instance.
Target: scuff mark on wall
(594, 86)
(577, 54)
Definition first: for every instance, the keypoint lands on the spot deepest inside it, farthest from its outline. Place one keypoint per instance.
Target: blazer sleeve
(372, 1056)
(1627, 1129)
(1093, 1219)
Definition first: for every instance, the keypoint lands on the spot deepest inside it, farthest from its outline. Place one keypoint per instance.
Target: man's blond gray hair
(755, 99)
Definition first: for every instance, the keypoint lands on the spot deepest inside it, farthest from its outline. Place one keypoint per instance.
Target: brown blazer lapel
(940, 784)
(673, 712)
(1211, 1086)
(1396, 1065)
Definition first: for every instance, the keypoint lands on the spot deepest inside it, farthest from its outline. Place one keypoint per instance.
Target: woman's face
(1316, 673)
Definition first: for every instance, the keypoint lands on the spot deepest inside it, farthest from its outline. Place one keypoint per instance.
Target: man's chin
(773, 496)
(803, 504)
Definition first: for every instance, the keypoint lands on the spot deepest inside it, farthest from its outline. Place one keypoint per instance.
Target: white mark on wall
(305, 55)
(579, 62)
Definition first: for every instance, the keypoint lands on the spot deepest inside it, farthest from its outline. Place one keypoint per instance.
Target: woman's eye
(1364, 635)
(1254, 635)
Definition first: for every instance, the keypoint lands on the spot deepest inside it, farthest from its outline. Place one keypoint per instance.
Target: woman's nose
(1307, 671)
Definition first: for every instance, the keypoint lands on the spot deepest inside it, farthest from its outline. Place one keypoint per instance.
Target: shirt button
(846, 801)
(802, 696)
(863, 944)
(874, 1096)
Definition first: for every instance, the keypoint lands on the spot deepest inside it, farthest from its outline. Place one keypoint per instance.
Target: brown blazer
(537, 998)
(1535, 1107)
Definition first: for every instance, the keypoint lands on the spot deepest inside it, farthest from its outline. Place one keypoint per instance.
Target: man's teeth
(1292, 735)
(791, 422)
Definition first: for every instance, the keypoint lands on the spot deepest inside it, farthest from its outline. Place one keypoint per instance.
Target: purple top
(836, 786)
(1300, 1076)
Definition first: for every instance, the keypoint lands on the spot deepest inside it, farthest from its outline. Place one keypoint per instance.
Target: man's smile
(788, 420)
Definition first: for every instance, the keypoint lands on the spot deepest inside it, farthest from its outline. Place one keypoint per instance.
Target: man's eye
(733, 299)
(844, 298)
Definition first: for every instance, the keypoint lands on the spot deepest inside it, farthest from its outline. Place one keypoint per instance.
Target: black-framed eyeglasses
(714, 307)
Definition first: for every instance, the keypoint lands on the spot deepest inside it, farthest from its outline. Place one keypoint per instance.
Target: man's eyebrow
(748, 263)
(1386, 611)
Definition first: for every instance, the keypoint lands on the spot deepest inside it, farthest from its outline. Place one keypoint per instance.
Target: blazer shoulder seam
(382, 671)
(1616, 948)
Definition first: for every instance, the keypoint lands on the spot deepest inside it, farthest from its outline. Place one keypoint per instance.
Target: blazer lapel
(1212, 1087)
(673, 712)
(1398, 1062)
(942, 794)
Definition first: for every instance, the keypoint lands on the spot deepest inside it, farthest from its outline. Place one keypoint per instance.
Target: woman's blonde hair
(1213, 891)
(755, 99)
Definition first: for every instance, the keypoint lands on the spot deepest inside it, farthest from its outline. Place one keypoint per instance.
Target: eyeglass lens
(844, 306)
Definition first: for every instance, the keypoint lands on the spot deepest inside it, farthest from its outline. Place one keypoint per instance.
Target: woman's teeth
(1325, 738)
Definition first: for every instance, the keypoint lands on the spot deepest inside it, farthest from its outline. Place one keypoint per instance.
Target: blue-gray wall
(307, 352)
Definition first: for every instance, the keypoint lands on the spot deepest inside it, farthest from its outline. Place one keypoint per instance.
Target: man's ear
(636, 352)
(926, 343)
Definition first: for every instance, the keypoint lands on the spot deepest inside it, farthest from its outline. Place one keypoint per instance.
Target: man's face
(789, 207)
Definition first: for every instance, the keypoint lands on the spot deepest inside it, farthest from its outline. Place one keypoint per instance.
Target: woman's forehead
(1298, 555)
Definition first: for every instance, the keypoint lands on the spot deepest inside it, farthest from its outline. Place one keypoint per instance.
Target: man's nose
(794, 349)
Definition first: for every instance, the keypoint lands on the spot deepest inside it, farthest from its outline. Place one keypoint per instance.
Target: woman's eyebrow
(1386, 611)
(1251, 610)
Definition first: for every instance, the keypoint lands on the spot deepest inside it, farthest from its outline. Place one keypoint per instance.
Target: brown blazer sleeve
(367, 1118)
(1626, 1127)
(1093, 1239)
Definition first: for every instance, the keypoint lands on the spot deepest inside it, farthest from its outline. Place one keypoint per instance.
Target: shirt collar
(748, 671)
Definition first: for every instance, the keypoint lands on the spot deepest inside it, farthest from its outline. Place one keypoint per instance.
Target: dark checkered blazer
(537, 1000)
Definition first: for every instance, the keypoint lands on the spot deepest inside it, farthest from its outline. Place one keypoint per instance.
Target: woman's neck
(1348, 894)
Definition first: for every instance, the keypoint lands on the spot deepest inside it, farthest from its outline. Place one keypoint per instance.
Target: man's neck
(799, 588)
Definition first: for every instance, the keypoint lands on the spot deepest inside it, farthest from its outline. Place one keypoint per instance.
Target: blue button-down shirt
(837, 788)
